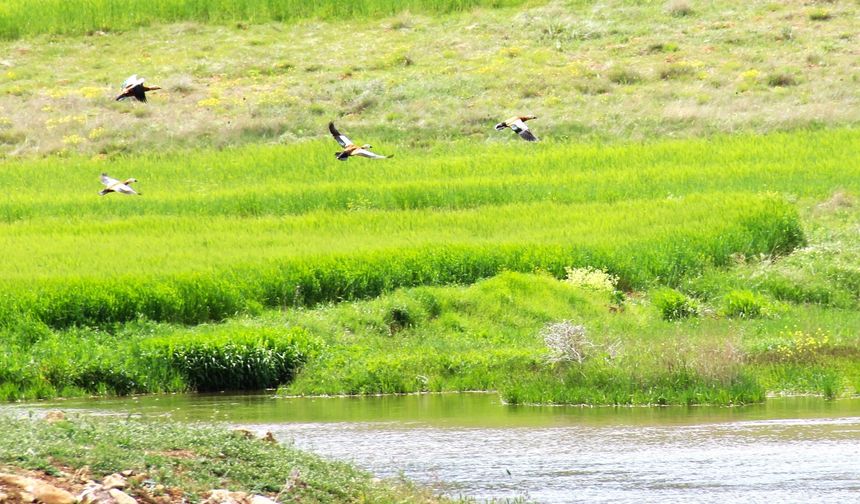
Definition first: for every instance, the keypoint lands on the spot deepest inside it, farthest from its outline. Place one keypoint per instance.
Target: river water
(786, 450)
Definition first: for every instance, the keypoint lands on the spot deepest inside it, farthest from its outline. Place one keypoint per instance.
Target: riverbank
(474, 447)
(167, 462)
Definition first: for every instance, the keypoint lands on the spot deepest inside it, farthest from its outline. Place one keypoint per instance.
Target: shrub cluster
(674, 305)
(744, 304)
(238, 360)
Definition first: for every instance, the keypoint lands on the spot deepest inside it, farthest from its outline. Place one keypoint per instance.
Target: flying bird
(350, 149)
(114, 185)
(133, 87)
(518, 124)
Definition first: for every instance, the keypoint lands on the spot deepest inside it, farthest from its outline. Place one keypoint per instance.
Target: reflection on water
(787, 450)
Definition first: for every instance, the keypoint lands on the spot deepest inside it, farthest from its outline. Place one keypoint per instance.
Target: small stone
(92, 493)
(54, 416)
(121, 497)
(33, 489)
(115, 480)
(218, 496)
(222, 496)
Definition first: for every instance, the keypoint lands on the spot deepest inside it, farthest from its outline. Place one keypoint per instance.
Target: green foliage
(744, 304)
(232, 360)
(257, 234)
(819, 14)
(600, 383)
(674, 305)
(677, 70)
(308, 261)
(781, 79)
(143, 359)
(21, 17)
(679, 8)
(622, 75)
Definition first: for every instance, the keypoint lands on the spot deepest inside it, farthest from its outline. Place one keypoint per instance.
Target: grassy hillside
(219, 233)
(603, 70)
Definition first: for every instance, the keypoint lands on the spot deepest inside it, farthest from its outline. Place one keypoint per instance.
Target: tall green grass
(28, 17)
(82, 361)
(299, 178)
(221, 233)
(188, 270)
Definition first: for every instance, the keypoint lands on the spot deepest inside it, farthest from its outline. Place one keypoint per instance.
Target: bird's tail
(501, 126)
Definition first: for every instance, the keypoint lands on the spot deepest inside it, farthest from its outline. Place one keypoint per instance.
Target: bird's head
(130, 181)
(366, 146)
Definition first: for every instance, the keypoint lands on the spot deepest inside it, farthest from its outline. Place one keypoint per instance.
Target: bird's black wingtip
(528, 136)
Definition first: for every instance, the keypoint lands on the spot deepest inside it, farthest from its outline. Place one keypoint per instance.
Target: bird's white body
(114, 185)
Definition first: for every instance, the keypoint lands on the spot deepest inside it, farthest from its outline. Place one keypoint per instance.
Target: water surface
(786, 450)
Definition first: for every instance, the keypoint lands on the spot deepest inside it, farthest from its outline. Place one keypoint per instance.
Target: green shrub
(399, 317)
(679, 8)
(781, 79)
(677, 70)
(244, 359)
(744, 304)
(593, 86)
(620, 75)
(674, 305)
(819, 14)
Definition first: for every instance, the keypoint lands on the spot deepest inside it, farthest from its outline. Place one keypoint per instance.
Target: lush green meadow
(241, 230)
(77, 17)
(94, 286)
(254, 259)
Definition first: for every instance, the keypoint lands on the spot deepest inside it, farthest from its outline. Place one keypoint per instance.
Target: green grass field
(222, 233)
(246, 217)
(684, 233)
(77, 17)
(234, 234)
